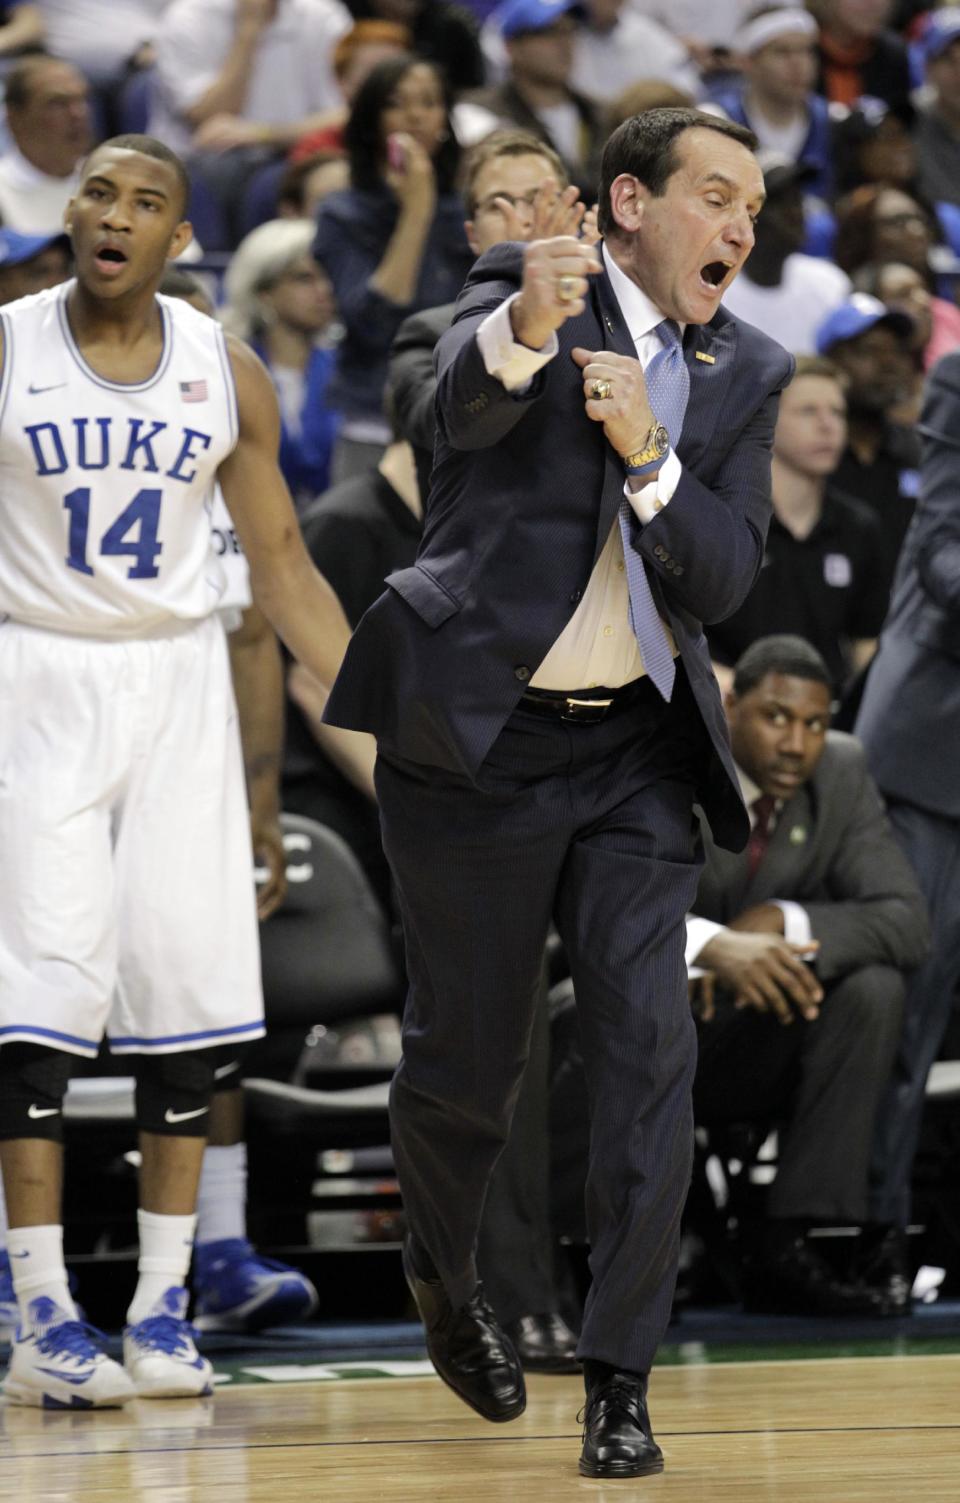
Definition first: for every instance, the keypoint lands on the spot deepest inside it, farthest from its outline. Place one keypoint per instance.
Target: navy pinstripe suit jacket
(525, 491)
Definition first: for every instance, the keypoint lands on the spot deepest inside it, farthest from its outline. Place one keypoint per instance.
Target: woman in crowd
(878, 223)
(281, 302)
(393, 242)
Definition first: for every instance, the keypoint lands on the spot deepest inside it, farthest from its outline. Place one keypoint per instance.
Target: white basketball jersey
(106, 489)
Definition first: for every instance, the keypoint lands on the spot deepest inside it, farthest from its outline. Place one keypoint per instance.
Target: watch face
(661, 439)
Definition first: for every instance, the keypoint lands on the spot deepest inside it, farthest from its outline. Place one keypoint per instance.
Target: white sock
(222, 1197)
(39, 1272)
(166, 1243)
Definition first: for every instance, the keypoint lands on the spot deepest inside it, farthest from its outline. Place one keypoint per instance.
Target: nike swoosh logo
(77, 1378)
(36, 391)
(170, 1116)
(42, 1111)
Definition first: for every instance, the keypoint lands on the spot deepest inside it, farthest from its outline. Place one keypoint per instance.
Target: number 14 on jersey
(134, 532)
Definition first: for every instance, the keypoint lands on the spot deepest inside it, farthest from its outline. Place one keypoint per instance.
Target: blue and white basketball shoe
(237, 1290)
(59, 1363)
(160, 1356)
(9, 1312)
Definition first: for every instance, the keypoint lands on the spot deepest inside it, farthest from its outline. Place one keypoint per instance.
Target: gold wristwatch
(655, 446)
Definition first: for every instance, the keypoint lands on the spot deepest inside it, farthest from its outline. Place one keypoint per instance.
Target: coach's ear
(628, 197)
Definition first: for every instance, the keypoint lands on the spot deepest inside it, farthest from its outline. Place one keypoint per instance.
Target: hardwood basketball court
(848, 1430)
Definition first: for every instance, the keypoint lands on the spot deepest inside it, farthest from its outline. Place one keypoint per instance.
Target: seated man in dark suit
(806, 936)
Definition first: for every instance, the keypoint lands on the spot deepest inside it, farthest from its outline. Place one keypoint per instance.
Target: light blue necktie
(668, 386)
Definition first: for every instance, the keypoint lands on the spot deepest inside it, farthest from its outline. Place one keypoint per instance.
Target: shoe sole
(620, 1469)
(38, 1398)
(170, 1391)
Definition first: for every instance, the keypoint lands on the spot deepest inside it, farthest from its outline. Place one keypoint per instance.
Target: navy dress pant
(591, 825)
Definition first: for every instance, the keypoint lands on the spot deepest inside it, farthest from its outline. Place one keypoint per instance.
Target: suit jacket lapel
(616, 337)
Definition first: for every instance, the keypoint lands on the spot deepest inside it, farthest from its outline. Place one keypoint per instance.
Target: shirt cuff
(654, 496)
(513, 364)
(796, 922)
(700, 932)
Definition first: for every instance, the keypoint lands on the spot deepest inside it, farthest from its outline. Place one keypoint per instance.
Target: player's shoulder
(34, 302)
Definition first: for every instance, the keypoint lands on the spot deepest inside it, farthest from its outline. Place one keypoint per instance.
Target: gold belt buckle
(591, 703)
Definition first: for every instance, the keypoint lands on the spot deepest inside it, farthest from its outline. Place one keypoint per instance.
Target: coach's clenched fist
(554, 285)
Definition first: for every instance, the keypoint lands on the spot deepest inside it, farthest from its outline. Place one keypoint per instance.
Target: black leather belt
(586, 706)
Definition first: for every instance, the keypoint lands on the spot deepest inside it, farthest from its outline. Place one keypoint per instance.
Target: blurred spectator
(281, 302)
(780, 290)
(821, 578)
(392, 242)
(615, 47)
(881, 224)
(936, 323)
(103, 38)
(244, 73)
(48, 116)
(30, 263)
(537, 95)
(651, 94)
(813, 926)
(873, 144)
(910, 725)
(355, 56)
(618, 47)
(871, 346)
(239, 81)
(308, 181)
(443, 33)
(21, 29)
(776, 98)
(859, 54)
(707, 28)
(938, 123)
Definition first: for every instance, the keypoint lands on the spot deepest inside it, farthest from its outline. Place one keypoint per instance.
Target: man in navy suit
(546, 716)
(909, 722)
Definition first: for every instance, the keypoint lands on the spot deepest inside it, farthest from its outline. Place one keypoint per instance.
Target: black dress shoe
(617, 1441)
(467, 1347)
(796, 1280)
(544, 1343)
(883, 1266)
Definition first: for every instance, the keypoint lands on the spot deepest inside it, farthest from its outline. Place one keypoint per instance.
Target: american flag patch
(193, 391)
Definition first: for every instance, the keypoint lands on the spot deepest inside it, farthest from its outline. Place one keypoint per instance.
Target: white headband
(792, 21)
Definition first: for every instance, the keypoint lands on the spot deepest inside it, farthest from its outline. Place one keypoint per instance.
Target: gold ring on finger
(600, 391)
(568, 289)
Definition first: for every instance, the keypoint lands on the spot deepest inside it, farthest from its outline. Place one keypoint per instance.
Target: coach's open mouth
(714, 273)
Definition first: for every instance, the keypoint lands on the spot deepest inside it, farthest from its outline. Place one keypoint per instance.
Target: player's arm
(293, 596)
(258, 687)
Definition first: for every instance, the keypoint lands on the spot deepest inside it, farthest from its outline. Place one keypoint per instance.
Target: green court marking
(236, 1370)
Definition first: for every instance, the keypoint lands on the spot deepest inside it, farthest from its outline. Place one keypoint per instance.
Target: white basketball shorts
(126, 876)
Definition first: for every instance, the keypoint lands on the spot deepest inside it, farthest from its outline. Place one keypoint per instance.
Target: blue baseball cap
(514, 17)
(942, 28)
(854, 317)
(16, 248)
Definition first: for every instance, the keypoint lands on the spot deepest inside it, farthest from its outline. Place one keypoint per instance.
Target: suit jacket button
(660, 551)
(522, 672)
(678, 569)
(575, 595)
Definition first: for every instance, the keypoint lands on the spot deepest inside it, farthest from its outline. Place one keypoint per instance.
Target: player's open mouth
(110, 258)
(713, 274)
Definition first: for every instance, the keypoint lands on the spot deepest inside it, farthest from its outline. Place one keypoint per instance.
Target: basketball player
(125, 897)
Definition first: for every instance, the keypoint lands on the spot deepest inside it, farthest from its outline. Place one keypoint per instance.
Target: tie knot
(668, 333)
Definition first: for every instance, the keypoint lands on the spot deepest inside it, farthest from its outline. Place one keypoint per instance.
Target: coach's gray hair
(258, 263)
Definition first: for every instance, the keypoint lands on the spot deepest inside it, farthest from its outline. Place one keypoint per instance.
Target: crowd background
(333, 155)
